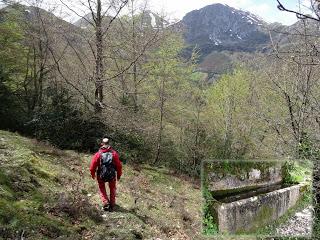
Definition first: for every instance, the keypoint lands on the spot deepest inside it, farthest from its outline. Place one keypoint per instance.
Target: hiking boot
(105, 206)
(111, 208)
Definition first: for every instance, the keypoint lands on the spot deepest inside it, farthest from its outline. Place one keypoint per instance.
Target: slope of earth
(47, 193)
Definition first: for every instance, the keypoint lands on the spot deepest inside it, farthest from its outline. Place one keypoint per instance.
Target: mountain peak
(221, 27)
(219, 9)
(217, 5)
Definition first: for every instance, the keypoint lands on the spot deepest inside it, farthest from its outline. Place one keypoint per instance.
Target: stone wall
(242, 178)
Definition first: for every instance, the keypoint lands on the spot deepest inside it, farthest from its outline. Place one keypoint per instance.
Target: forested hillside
(153, 104)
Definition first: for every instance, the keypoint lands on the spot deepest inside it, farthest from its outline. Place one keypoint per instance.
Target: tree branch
(67, 81)
(122, 5)
(75, 12)
(299, 15)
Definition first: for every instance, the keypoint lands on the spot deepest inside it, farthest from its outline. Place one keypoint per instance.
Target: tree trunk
(134, 46)
(196, 146)
(135, 94)
(159, 142)
(159, 135)
(99, 60)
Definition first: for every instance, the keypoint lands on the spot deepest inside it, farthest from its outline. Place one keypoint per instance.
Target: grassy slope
(47, 193)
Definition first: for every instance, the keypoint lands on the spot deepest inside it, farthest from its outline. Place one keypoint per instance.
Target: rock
(254, 174)
(243, 176)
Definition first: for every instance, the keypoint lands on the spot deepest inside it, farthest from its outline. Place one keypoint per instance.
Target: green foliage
(209, 225)
(217, 63)
(161, 94)
(170, 82)
(228, 115)
(63, 125)
(31, 181)
(12, 49)
(11, 111)
(132, 146)
(307, 149)
(174, 101)
(12, 70)
(296, 172)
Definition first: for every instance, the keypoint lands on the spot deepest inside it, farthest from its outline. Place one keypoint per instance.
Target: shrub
(209, 225)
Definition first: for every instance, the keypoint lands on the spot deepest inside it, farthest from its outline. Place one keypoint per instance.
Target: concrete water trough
(248, 195)
(248, 210)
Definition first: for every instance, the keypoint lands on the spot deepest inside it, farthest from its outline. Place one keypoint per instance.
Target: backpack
(107, 170)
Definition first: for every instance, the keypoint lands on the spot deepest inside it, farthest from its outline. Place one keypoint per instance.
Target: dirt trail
(298, 225)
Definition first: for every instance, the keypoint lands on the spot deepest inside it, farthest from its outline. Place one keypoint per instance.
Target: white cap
(105, 140)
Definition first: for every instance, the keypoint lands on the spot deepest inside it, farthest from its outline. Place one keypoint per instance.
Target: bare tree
(294, 73)
(136, 34)
(100, 13)
(37, 64)
(308, 62)
(109, 49)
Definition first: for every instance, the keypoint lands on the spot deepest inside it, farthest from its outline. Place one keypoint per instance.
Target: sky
(266, 9)
(176, 9)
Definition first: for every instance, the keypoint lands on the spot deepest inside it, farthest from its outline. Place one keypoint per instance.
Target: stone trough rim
(256, 198)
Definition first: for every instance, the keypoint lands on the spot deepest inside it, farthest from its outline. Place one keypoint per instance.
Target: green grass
(47, 193)
(27, 183)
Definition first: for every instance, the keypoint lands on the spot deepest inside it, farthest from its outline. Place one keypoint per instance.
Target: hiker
(106, 166)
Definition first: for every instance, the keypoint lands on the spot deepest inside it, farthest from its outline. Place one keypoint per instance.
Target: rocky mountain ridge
(221, 25)
(226, 27)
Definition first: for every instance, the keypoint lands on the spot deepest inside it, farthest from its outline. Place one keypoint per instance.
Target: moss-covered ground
(47, 193)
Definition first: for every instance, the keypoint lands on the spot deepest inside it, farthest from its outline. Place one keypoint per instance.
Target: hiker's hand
(93, 177)
(118, 178)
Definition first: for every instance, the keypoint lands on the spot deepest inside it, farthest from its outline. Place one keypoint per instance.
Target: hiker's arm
(94, 165)
(118, 164)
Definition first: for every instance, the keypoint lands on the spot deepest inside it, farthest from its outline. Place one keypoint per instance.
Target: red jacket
(95, 162)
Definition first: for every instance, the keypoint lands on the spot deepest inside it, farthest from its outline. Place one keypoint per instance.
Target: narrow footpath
(298, 225)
